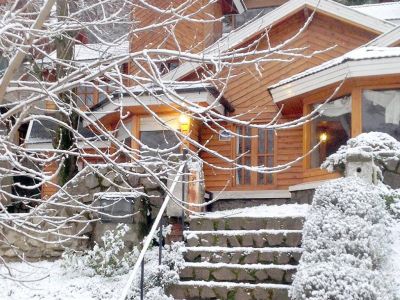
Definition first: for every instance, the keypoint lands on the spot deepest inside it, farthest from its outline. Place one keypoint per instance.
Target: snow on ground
(263, 211)
(394, 259)
(58, 283)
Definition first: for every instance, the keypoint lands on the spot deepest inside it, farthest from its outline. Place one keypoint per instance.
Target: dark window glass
(381, 112)
(159, 139)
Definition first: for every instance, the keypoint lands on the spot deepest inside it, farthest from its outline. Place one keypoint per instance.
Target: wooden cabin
(352, 48)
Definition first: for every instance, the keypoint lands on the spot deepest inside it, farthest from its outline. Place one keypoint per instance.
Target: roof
(237, 37)
(44, 131)
(90, 52)
(365, 61)
(386, 11)
(386, 39)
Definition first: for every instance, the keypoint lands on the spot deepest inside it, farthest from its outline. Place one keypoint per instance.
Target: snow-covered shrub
(112, 259)
(382, 144)
(345, 243)
(106, 260)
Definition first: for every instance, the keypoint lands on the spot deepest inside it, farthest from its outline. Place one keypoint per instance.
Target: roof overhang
(336, 74)
(253, 28)
(386, 39)
(202, 97)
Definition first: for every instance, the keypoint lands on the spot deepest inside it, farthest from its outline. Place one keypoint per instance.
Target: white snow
(393, 263)
(263, 211)
(239, 266)
(233, 284)
(243, 249)
(385, 11)
(57, 283)
(194, 234)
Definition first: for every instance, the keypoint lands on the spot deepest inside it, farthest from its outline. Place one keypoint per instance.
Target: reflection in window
(265, 155)
(335, 122)
(159, 139)
(86, 95)
(381, 112)
(243, 150)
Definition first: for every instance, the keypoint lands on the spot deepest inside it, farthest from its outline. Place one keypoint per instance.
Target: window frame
(254, 155)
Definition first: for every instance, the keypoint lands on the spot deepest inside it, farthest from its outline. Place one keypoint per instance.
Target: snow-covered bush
(106, 260)
(383, 147)
(112, 259)
(345, 243)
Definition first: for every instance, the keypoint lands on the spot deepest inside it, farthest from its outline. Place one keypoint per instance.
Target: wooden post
(356, 111)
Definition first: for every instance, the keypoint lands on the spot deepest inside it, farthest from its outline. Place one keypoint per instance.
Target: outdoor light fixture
(184, 120)
(323, 137)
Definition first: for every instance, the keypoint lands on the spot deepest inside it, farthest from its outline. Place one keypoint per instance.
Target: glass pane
(271, 141)
(261, 141)
(159, 139)
(261, 176)
(335, 122)
(270, 164)
(247, 140)
(247, 172)
(381, 112)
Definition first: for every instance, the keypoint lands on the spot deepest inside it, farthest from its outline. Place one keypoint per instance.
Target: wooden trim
(356, 112)
(306, 138)
(135, 131)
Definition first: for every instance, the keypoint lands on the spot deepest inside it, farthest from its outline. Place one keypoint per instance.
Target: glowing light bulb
(323, 137)
(184, 119)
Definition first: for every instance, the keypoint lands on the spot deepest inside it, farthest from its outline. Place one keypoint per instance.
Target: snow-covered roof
(237, 37)
(90, 52)
(386, 39)
(175, 86)
(365, 61)
(386, 11)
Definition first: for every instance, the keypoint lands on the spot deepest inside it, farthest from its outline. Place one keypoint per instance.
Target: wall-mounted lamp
(323, 137)
(184, 121)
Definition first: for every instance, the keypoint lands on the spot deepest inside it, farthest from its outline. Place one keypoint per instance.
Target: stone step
(249, 273)
(191, 290)
(244, 238)
(244, 255)
(245, 223)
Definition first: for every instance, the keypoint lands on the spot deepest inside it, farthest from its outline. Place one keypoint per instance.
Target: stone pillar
(360, 163)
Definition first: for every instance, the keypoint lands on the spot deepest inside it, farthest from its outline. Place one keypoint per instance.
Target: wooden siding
(249, 95)
(49, 189)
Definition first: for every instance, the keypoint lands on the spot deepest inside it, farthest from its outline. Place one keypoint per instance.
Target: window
(335, 122)
(159, 139)
(381, 112)
(86, 95)
(231, 22)
(117, 207)
(254, 151)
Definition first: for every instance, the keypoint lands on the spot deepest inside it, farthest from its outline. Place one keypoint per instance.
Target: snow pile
(345, 244)
(383, 147)
(262, 211)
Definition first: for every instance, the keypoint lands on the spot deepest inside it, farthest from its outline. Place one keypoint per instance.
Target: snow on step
(262, 211)
(229, 290)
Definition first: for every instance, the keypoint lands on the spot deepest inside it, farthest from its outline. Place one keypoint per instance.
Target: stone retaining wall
(83, 188)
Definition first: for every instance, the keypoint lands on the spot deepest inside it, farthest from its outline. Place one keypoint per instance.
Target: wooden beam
(356, 111)
(306, 138)
(263, 3)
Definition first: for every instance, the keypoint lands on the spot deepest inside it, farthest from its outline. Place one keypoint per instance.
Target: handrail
(149, 237)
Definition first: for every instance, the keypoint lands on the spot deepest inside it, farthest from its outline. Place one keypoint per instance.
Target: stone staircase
(240, 257)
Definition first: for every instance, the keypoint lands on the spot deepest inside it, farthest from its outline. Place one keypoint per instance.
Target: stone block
(224, 274)
(251, 258)
(207, 293)
(276, 275)
(275, 240)
(91, 181)
(201, 274)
